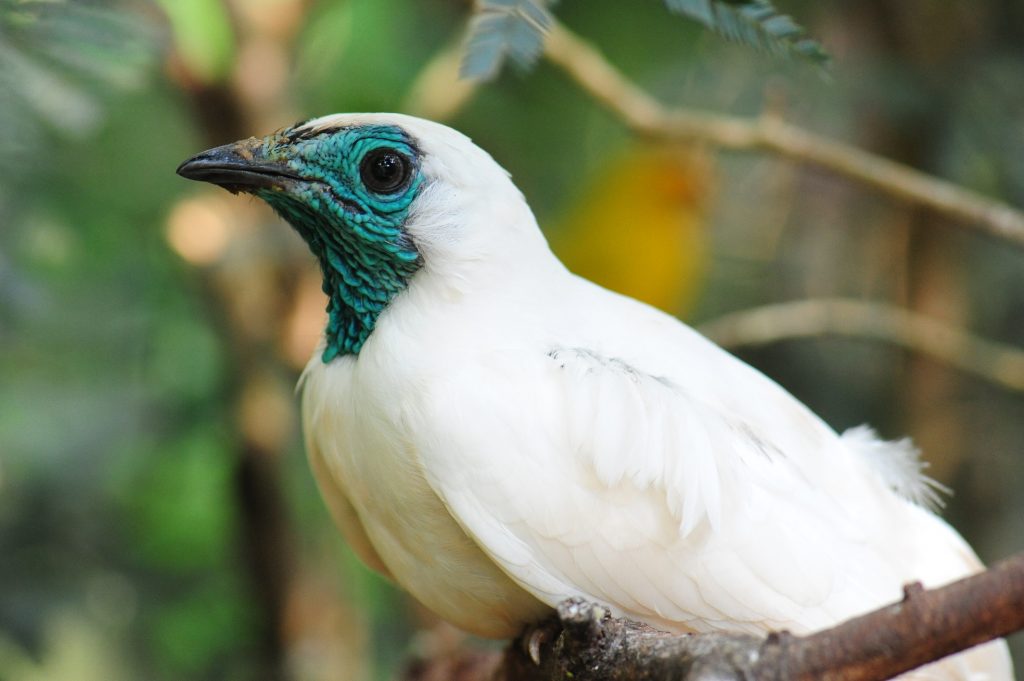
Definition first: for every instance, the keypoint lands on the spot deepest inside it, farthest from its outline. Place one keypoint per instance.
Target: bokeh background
(157, 518)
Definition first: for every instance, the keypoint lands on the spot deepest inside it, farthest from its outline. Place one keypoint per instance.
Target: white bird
(496, 434)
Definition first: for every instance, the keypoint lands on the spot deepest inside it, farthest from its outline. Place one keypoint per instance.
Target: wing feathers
(628, 491)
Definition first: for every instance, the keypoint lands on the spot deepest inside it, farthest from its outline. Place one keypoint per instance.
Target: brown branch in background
(263, 533)
(583, 643)
(265, 544)
(595, 75)
(996, 362)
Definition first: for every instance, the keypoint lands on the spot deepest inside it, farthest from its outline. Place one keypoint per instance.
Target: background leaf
(756, 24)
(505, 29)
(501, 30)
(60, 61)
(203, 36)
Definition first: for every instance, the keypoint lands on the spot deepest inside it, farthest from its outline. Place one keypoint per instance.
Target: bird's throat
(358, 288)
(364, 267)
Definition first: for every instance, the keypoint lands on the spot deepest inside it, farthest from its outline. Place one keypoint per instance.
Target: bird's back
(835, 524)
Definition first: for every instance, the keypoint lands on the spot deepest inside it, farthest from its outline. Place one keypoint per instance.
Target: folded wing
(625, 488)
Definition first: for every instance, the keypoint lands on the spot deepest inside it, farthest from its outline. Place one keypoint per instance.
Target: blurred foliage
(59, 58)
(136, 310)
(505, 29)
(514, 29)
(756, 23)
(661, 260)
(203, 37)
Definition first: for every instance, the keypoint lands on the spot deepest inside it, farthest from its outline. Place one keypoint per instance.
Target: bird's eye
(384, 170)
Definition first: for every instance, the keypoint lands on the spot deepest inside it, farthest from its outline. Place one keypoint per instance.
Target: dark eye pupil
(384, 170)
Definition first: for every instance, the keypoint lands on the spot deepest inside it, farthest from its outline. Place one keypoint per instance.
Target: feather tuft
(898, 463)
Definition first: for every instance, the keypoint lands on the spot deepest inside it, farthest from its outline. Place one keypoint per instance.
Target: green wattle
(366, 256)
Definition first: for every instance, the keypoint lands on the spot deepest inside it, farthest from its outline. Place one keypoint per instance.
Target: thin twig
(996, 362)
(646, 115)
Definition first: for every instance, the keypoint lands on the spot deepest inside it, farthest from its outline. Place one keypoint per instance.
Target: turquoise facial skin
(358, 234)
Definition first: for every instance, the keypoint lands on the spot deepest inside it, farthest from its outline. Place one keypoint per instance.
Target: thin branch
(996, 362)
(583, 643)
(640, 111)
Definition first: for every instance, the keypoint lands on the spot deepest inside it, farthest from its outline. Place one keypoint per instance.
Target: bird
(496, 434)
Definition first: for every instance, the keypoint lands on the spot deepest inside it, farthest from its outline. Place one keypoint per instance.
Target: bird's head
(378, 198)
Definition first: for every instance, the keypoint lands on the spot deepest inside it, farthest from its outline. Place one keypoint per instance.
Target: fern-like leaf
(59, 58)
(755, 23)
(502, 30)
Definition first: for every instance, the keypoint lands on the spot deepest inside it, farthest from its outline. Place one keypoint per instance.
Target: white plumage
(511, 435)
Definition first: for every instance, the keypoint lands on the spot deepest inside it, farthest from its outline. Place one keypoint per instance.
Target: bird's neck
(359, 286)
(363, 268)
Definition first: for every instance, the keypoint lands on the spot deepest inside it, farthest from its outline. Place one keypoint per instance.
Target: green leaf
(505, 29)
(502, 30)
(58, 60)
(203, 37)
(755, 23)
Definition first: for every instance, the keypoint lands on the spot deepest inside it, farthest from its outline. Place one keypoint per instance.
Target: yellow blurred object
(640, 227)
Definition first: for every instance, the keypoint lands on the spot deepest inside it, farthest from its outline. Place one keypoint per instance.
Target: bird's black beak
(238, 167)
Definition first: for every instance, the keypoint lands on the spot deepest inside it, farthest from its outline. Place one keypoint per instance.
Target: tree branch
(583, 643)
(924, 627)
(996, 362)
(640, 111)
